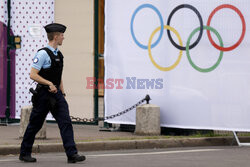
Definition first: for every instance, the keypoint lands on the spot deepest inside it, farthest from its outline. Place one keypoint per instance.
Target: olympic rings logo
(188, 46)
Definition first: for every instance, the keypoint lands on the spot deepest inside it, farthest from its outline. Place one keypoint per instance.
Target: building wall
(78, 51)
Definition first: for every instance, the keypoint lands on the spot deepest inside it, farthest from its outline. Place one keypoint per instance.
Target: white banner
(205, 85)
(28, 19)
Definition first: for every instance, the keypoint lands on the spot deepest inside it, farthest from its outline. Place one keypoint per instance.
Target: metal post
(7, 113)
(96, 103)
(147, 98)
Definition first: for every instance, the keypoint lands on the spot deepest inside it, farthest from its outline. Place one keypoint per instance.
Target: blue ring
(132, 23)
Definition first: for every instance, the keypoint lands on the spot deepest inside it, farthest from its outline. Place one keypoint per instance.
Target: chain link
(86, 120)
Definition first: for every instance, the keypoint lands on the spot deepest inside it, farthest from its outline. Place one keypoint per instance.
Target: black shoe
(27, 158)
(76, 158)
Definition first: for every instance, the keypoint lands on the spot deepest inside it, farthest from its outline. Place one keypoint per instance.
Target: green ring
(188, 55)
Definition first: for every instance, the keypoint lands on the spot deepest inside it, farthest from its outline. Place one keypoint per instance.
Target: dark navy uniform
(45, 101)
(43, 104)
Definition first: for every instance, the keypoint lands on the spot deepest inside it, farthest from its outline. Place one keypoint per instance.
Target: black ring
(201, 26)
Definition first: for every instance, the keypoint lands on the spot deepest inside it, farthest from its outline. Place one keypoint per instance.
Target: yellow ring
(150, 54)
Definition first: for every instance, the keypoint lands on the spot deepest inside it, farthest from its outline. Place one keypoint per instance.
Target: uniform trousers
(38, 115)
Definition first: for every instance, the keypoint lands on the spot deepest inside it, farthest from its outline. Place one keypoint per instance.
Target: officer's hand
(52, 88)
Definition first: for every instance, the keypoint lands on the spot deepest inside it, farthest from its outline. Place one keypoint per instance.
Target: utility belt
(38, 88)
(35, 97)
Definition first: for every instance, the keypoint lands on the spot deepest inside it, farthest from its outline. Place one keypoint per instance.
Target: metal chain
(78, 119)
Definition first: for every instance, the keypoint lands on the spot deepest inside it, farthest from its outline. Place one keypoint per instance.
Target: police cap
(55, 27)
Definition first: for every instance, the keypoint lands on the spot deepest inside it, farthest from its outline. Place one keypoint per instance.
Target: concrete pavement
(170, 157)
(89, 138)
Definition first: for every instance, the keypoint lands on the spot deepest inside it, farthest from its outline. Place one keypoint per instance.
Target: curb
(125, 144)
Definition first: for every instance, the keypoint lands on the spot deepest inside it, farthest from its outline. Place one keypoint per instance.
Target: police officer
(47, 70)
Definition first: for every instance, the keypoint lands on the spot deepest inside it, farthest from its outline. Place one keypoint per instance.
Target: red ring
(243, 27)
